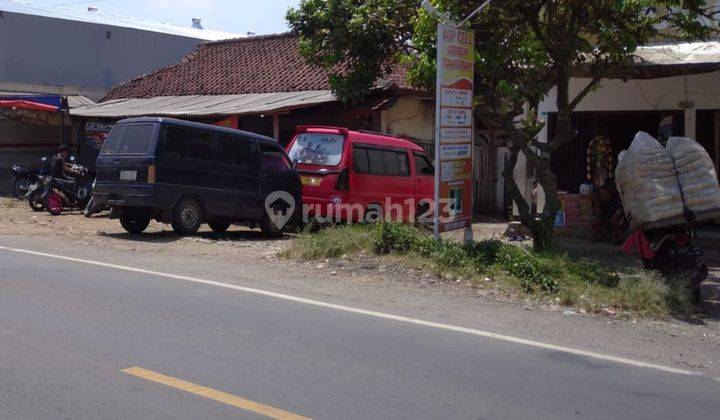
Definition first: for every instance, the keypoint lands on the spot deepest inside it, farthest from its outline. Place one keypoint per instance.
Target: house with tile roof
(262, 84)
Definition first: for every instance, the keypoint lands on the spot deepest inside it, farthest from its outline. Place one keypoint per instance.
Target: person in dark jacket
(58, 165)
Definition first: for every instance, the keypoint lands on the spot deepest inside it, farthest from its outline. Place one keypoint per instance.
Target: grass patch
(332, 242)
(575, 280)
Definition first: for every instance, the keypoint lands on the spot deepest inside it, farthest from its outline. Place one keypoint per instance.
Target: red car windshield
(317, 149)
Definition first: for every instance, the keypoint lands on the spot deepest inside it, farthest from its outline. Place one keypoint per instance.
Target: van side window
(423, 166)
(360, 160)
(368, 160)
(200, 145)
(233, 150)
(273, 159)
(377, 161)
(396, 163)
(245, 152)
(177, 143)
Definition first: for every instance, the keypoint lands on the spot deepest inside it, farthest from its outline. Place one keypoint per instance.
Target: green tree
(523, 49)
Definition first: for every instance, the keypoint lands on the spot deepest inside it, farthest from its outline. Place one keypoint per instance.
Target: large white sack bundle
(646, 181)
(698, 178)
(650, 190)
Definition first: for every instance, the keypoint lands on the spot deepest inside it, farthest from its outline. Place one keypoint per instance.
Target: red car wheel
(55, 204)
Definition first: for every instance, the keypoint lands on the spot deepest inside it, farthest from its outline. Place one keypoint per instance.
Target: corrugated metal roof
(100, 18)
(664, 60)
(204, 105)
(75, 101)
(679, 53)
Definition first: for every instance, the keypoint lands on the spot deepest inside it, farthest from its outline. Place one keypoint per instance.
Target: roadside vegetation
(568, 279)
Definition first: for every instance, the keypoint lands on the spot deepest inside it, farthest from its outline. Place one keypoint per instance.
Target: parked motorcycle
(73, 193)
(21, 178)
(35, 193)
(676, 250)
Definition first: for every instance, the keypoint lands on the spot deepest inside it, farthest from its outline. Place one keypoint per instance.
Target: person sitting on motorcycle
(58, 166)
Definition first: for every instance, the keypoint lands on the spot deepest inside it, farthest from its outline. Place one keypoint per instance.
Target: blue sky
(238, 16)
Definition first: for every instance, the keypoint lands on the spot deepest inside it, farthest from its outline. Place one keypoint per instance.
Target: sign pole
(437, 163)
(454, 131)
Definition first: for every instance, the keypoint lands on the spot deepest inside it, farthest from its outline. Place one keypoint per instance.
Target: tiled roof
(261, 64)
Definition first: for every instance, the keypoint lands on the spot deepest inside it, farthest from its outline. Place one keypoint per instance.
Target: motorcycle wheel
(35, 201)
(54, 204)
(20, 187)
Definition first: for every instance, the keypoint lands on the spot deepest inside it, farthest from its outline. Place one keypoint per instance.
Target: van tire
(187, 217)
(268, 227)
(219, 225)
(134, 221)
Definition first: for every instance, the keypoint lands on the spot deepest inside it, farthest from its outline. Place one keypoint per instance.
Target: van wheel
(219, 225)
(187, 217)
(269, 228)
(134, 221)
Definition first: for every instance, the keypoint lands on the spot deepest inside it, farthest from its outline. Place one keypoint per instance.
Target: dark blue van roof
(195, 125)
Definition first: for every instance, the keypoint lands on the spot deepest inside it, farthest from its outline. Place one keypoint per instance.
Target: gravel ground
(244, 257)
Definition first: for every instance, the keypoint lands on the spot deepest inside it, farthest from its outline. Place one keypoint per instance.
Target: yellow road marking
(223, 397)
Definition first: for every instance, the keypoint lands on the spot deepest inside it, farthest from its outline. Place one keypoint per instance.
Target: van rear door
(320, 157)
(127, 155)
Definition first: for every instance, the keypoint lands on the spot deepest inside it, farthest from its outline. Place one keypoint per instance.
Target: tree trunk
(542, 227)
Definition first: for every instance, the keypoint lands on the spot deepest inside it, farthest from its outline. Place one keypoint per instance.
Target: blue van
(187, 174)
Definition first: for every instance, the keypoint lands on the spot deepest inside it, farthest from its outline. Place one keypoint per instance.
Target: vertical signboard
(454, 129)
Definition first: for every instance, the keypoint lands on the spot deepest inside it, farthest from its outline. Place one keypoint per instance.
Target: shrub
(426, 246)
(485, 253)
(394, 238)
(527, 269)
(452, 255)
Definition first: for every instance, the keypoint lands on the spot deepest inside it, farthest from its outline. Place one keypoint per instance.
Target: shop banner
(454, 129)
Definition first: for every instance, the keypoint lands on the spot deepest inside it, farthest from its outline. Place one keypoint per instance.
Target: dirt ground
(243, 256)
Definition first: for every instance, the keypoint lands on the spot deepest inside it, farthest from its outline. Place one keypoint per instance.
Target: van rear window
(318, 149)
(132, 139)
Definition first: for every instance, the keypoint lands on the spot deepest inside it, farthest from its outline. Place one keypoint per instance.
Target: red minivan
(361, 175)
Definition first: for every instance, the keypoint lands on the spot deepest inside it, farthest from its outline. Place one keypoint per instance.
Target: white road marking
(375, 314)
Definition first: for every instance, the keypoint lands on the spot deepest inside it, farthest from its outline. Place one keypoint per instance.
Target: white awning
(205, 105)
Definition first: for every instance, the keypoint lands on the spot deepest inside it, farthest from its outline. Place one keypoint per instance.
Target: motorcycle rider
(59, 168)
(57, 164)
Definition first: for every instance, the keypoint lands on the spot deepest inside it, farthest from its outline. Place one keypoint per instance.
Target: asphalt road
(68, 330)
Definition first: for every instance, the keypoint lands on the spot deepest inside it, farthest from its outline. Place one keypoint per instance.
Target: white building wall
(666, 94)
